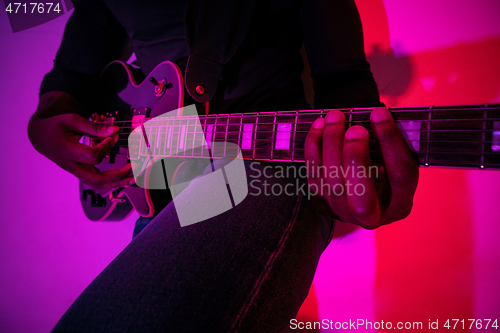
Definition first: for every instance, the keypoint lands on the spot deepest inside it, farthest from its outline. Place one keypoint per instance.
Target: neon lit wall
(441, 262)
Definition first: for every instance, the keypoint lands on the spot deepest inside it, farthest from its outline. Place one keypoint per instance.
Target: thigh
(248, 269)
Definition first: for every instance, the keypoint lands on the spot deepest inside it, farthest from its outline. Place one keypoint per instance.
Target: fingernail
(319, 123)
(356, 132)
(380, 114)
(113, 129)
(132, 181)
(334, 117)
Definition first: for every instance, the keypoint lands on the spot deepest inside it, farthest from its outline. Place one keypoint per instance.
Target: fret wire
(241, 132)
(485, 116)
(168, 137)
(163, 144)
(204, 130)
(273, 137)
(157, 138)
(350, 118)
(214, 133)
(168, 133)
(225, 136)
(179, 142)
(194, 136)
(178, 138)
(163, 141)
(166, 144)
(151, 137)
(156, 145)
(255, 135)
(184, 139)
(171, 139)
(294, 134)
(429, 116)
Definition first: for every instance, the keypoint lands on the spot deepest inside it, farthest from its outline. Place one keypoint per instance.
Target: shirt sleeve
(92, 38)
(333, 38)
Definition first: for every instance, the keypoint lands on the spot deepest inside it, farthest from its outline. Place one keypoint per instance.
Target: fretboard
(451, 136)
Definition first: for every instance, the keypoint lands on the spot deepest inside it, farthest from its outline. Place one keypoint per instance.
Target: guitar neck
(446, 136)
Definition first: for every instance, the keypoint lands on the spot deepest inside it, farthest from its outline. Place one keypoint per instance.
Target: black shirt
(263, 75)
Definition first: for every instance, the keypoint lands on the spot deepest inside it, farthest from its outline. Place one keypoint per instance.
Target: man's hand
(55, 130)
(366, 200)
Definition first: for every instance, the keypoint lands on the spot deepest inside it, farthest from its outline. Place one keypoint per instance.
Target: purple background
(22, 20)
(49, 251)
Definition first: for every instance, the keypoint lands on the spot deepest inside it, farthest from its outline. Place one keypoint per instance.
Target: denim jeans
(246, 270)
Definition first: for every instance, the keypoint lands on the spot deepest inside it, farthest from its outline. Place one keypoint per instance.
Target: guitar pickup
(96, 200)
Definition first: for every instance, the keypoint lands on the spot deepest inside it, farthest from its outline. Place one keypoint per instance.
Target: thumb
(83, 126)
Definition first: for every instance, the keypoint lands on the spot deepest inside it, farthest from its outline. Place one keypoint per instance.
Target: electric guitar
(442, 136)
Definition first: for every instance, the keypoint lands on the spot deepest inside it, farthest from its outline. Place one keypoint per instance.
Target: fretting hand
(362, 198)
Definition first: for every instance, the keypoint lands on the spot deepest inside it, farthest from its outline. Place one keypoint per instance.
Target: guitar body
(136, 99)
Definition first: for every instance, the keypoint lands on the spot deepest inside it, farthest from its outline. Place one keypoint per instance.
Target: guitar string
(307, 130)
(174, 137)
(303, 113)
(199, 144)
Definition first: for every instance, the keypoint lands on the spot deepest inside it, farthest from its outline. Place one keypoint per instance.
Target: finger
(360, 188)
(83, 126)
(97, 179)
(92, 155)
(333, 143)
(400, 164)
(313, 150)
